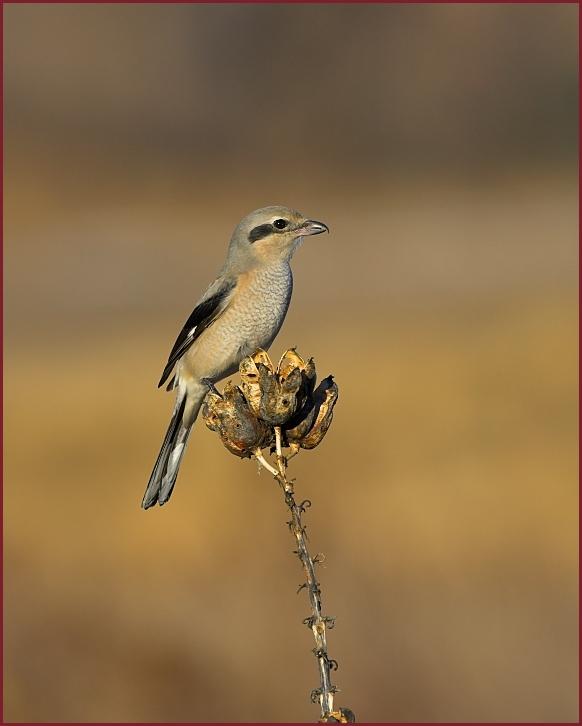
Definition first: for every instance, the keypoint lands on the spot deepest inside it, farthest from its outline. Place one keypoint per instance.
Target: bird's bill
(310, 226)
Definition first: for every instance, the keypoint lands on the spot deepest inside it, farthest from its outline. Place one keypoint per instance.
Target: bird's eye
(280, 223)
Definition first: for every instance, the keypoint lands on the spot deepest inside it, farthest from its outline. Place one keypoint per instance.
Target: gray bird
(242, 310)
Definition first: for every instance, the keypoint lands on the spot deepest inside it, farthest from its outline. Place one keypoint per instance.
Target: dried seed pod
(278, 398)
(283, 397)
(310, 374)
(310, 430)
(273, 396)
(254, 372)
(251, 385)
(298, 426)
(240, 431)
(209, 411)
(261, 356)
(302, 423)
(290, 361)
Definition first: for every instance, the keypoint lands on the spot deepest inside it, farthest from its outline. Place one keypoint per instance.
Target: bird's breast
(260, 306)
(252, 320)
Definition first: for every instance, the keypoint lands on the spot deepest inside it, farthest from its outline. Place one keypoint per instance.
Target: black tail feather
(165, 470)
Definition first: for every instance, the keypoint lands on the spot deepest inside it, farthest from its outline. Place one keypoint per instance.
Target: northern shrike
(242, 310)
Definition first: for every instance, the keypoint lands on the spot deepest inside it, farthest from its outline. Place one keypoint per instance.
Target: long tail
(165, 472)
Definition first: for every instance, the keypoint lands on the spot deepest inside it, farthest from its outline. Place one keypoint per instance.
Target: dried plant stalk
(317, 621)
(282, 407)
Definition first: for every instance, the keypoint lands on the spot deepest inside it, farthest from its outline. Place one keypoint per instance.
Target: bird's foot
(211, 387)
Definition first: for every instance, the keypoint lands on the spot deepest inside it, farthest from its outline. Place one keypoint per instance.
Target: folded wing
(212, 305)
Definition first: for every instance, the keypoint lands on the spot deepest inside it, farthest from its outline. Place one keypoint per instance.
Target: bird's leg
(211, 387)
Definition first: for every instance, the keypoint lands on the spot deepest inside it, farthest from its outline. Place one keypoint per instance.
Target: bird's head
(271, 234)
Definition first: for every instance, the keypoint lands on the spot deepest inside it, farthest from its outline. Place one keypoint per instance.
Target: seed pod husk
(291, 360)
(279, 398)
(230, 415)
(310, 430)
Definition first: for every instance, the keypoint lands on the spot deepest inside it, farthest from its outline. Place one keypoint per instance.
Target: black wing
(203, 314)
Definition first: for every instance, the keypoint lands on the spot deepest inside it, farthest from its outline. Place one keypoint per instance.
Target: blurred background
(439, 142)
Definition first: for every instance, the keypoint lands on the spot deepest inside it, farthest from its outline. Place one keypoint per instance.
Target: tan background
(439, 143)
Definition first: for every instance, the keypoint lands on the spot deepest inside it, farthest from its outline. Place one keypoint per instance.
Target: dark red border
(287, 2)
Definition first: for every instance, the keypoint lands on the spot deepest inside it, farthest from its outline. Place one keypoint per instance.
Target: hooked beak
(310, 226)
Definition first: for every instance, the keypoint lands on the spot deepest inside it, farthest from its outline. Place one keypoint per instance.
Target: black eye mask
(259, 232)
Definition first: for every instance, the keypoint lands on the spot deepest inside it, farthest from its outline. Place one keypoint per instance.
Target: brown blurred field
(444, 302)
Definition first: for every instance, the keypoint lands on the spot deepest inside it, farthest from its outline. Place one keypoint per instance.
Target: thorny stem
(317, 622)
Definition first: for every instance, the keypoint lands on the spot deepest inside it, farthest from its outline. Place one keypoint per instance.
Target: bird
(241, 311)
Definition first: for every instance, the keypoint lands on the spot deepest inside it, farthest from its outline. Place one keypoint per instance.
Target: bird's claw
(211, 387)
